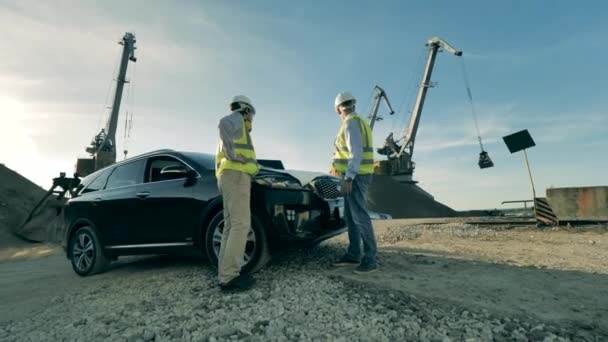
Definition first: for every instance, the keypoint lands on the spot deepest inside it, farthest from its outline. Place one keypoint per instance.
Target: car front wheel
(86, 252)
(256, 253)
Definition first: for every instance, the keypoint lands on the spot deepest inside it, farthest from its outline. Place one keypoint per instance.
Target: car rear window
(127, 174)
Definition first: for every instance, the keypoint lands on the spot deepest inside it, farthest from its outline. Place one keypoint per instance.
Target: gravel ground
(298, 297)
(397, 233)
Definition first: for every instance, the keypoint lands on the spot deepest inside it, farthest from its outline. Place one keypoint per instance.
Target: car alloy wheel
(83, 252)
(86, 252)
(257, 253)
(250, 245)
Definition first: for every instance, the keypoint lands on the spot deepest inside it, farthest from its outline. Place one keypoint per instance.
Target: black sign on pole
(519, 141)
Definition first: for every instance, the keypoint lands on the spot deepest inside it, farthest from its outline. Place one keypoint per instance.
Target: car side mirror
(191, 174)
(174, 172)
(190, 178)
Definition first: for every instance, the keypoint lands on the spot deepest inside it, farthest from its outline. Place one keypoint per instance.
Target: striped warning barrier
(543, 212)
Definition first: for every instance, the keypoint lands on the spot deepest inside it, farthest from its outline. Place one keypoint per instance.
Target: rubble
(294, 300)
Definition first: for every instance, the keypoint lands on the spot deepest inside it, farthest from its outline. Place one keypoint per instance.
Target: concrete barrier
(581, 203)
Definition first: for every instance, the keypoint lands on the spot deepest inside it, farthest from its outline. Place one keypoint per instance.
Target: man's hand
(347, 186)
(332, 171)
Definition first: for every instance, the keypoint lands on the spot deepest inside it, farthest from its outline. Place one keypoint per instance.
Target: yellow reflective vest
(242, 147)
(342, 155)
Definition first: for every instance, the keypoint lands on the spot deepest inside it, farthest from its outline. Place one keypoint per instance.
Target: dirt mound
(18, 196)
(402, 200)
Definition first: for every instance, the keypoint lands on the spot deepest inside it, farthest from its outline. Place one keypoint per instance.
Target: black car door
(167, 210)
(87, 205)
(118, 203)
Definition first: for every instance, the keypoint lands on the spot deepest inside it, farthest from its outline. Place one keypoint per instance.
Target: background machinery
(102, 150)
(103, 145)
(379, 95)
(399, 162)
(393, 190)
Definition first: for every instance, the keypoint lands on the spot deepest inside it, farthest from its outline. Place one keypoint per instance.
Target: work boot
(365, 268)
(241, 283)
(345, 261)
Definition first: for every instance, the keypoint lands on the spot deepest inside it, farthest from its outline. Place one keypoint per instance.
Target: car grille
(327, 187)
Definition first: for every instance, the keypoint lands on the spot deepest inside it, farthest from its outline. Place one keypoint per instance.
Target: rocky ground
(421, 294)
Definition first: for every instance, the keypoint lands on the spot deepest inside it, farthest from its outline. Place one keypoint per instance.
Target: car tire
(86, 252)
(258, 250)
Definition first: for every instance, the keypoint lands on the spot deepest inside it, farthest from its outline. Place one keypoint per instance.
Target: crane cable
(401, 123)
(470, 97)
(130, 105)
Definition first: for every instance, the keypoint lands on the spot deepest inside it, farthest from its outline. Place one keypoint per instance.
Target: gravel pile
(297, 298)
(398, 233)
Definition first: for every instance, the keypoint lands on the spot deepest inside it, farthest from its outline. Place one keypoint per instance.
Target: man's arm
(352, 135)
(229, 128)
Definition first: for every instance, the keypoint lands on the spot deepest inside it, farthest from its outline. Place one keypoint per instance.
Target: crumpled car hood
(304, 177)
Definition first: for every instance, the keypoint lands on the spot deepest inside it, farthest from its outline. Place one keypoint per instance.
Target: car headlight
(278, 182)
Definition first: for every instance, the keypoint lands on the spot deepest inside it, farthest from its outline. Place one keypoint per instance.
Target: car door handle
(96, 201)
(143, 194)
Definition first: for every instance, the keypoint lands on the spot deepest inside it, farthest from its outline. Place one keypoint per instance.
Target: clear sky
(536, 65)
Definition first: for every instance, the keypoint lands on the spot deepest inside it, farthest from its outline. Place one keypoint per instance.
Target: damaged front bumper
(310, 214)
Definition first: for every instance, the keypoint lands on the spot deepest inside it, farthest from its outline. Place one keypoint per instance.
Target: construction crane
(103, 145)
(102, 150)
(380, 95)
(399, 163)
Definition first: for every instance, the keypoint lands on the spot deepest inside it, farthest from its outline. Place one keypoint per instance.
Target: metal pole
(530, 173)
(531, 182)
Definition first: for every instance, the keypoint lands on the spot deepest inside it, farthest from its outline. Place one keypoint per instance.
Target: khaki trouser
(235, 187)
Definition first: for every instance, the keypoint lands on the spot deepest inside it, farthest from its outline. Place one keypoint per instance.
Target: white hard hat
(243, 101)
(344, 97)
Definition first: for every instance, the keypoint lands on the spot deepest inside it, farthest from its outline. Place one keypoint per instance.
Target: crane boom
(128, 54)
(380, 95)
(103, 146)
(434, 45)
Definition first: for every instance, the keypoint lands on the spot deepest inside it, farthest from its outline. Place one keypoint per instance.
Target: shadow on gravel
(569, 303)
(158, 263)
(575, 299)
(576, 302)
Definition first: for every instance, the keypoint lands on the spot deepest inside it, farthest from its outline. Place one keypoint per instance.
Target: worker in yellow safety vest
(235, 165)
(354, 162)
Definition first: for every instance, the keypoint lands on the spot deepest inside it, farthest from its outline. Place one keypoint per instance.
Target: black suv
(167, 200)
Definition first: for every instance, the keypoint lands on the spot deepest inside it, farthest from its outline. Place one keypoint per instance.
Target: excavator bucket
(45, 219)
(484, 160)
(43, 223)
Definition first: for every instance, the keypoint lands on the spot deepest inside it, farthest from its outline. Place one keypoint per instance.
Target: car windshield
(203, 159)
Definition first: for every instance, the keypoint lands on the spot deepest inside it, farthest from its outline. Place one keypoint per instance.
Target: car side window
(98, 183)
(157, 164)
(126, 175)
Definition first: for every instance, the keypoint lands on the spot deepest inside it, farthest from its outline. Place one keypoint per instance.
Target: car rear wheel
(256, 254)
(86, 252)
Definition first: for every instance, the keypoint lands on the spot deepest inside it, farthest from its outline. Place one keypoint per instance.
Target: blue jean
(359, 223)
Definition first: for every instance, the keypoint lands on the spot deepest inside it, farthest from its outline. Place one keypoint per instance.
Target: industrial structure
(102, 151)
(103, 145)
(399, 163)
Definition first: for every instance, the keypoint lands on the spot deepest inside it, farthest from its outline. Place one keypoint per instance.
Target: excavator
(102, 150)
(399, 164)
